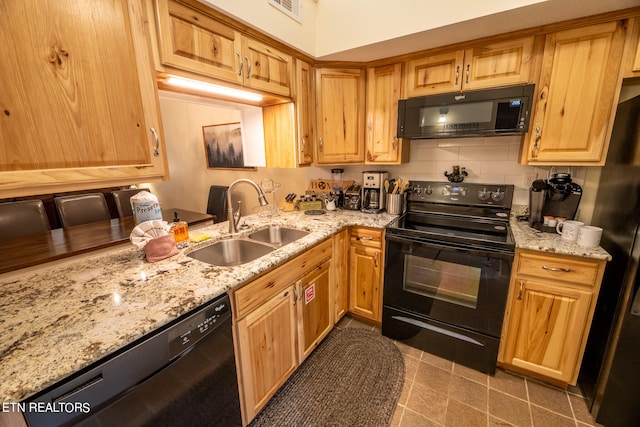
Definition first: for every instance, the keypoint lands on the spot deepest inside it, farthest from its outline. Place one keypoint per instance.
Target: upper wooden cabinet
(384, 86)
(191, 40)
(548, 319)
(79, 102)
(340, 112)
(497, 64)
(289, 127)
(575, 95)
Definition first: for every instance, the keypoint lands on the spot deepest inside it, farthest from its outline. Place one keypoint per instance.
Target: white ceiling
(546, 12)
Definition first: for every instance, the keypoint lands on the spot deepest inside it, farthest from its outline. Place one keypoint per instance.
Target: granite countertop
(59, 318)
(529, 238)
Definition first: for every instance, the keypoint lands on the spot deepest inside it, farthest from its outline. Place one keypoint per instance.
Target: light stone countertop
(529, 238)
(59, 318)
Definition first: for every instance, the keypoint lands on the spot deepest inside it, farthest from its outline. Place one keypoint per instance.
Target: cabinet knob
(521, 290)
(156, 153)
(240, 63)
(557, 269)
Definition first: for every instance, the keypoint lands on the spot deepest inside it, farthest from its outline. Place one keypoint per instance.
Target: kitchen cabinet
(278, 320)
(576, 92)
(79, 102)
(552, 299)
(631, 60)
(384, 85)
(341, 273)
(192, 40)
(315, 309)
(288, 127)
(502, 63)
(365, 273)
(340, 116)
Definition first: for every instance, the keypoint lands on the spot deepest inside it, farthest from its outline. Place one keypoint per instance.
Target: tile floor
(438, 392)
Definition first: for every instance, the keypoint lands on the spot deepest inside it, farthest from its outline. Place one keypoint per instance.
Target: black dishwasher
(181, 375)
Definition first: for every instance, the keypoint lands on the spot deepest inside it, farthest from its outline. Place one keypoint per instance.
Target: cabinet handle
(375, 260)
(393, 142)
(558, 269)
(240, 63)
(364, 238)
(295, 295)
(246, 58)
(457, 73)
(321, 144)
(536, 145)
(156, 153)
(303, 145)
(301, 290)
(467, 77)
(521, 290)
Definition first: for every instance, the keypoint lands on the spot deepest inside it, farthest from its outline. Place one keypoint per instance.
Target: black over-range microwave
(489, 112)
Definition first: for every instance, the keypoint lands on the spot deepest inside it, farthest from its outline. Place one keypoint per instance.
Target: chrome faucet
(234, 217)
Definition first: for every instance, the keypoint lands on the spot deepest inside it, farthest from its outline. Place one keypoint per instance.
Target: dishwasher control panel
(191, 330)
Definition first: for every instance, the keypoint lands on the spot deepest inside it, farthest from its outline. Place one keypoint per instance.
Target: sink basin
(278, 236)
(231, 252)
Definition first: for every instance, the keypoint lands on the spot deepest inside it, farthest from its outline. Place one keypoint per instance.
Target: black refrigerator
(610, 373)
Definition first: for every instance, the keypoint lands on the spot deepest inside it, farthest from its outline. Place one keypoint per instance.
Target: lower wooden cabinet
(365, 273)
(278, 320)
(341, 274)
(552, 299)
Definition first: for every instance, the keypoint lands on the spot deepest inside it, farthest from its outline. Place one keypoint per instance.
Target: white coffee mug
(569, 230)
(589, 236)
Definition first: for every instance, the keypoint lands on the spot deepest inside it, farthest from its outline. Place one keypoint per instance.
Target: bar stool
(217, 202)
(22, 218)
(123, 204)
(82, 209)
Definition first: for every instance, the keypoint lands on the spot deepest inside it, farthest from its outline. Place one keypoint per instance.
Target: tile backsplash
(491, 160)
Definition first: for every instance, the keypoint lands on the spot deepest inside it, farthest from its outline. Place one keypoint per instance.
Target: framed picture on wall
(223, 146)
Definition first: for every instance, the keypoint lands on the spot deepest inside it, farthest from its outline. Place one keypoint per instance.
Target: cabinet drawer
(369, 237)
(252, 295)
(558, 268)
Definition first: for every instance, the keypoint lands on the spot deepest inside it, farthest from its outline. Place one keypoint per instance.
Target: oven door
(459, 286)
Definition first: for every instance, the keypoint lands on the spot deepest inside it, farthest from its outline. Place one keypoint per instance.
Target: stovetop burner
(466, 214)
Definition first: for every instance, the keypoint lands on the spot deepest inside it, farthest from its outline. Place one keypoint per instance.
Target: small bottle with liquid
(180, 231)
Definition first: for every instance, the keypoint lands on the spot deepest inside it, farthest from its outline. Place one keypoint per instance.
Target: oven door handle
(447, 246)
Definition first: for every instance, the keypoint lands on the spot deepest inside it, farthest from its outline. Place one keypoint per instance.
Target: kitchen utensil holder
(396, 203)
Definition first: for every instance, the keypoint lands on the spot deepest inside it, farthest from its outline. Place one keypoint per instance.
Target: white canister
(145, 207)
(569, 230)
(589, 236)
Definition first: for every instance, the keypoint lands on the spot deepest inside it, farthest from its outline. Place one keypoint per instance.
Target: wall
(188, 187)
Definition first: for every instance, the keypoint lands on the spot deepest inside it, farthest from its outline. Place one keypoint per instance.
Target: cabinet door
(546, 328)
(267, 350)
(576, 90)
(340, 108)
(498, 64)
(341, 273)
(383, 93)
(365, 282)
(315, 309)
(303, 97)
(79, 101)
(266, 68)
(193, 41)
(435, 74)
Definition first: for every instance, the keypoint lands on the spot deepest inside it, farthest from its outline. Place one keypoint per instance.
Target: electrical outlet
(529, 178)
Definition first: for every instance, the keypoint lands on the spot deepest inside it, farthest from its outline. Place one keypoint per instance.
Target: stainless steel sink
(231, 252)
(278, 236)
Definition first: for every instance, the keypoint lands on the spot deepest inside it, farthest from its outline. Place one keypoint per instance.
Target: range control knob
(497, 195)
(484, 195)
(428, 190)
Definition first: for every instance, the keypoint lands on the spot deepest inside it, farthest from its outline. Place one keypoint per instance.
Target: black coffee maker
(557, 196)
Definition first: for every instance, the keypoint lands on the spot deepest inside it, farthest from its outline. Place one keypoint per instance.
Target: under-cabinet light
(212, 88)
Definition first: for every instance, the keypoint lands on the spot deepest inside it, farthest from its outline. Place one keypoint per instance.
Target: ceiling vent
(292, 8)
